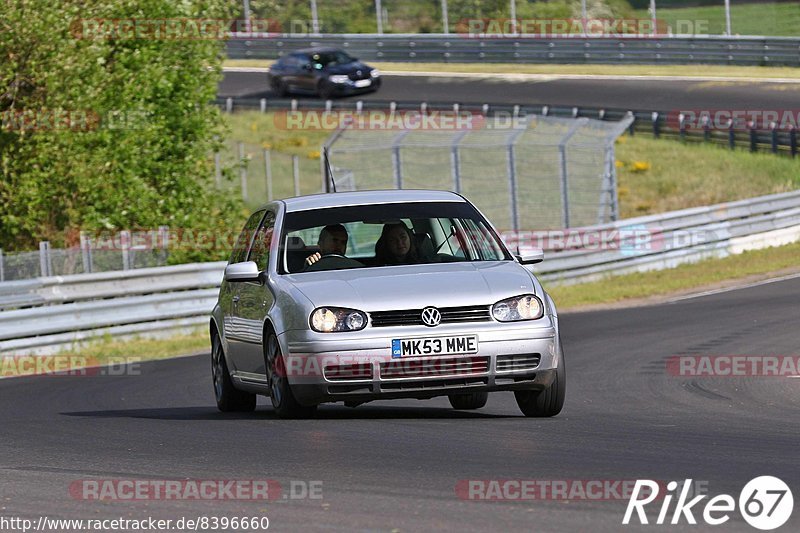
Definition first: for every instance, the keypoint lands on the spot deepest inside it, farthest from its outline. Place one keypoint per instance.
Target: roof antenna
(328, 169)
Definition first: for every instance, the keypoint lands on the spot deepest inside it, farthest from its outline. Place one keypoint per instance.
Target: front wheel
(283, 400)
(474, 400)
(547, 402)
(229, 398)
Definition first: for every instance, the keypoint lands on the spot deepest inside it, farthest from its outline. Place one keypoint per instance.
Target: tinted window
(243, 242)
(259, 251)
(391, 234)
(323, 59)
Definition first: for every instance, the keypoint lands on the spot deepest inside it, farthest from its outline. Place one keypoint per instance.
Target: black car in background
(326, 72)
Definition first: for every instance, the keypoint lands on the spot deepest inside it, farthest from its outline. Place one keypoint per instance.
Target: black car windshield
(324, 59)
(387, 235)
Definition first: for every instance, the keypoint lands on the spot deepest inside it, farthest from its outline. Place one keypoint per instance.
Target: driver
(332, 240)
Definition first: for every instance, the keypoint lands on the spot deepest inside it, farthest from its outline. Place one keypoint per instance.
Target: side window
(261, 245)
(243, 242)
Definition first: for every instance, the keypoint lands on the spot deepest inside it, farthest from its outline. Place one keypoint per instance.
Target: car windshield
(323, 59)
(383, 235)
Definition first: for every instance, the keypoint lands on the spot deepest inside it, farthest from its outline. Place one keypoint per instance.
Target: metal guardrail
(46, 315)
(652, 122)
(463, 48)
(50, 314)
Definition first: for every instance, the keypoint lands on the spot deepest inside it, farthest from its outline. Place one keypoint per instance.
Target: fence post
(217, 170)
(455, 161)
(656, 130)
(753, 137)
(229, 104)
(268, 173)
(632, 127)
(164, 237)
(125, 243)
(511, 168)
(774, 130)
(263, 105)
(706, 128)
(87, 261)
(731, 135)
(45, 264)
(397, 165)
(2, 267)
(793, 140)
(296, 174)
(562, 150)
(682, 126)
(243, 171)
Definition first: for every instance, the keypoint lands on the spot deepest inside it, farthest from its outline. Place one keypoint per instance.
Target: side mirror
(247, 271)
(531, 257)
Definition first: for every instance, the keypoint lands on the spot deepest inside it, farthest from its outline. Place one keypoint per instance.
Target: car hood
(347, 68)
(416, 286)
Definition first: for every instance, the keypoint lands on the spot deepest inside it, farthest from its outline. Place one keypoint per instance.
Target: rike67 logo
(765, 503)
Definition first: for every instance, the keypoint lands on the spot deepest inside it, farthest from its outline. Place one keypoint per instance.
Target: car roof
(316, 50)
(343, 199)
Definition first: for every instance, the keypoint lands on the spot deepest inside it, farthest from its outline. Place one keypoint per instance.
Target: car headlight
(375, 73)
(339, 78)
(332, 319)
(525, 307)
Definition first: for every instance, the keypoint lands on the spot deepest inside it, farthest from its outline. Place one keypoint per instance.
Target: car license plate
(363, 83)
(462, 344)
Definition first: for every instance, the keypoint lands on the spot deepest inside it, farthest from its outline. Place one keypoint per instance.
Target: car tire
(325, 90)
(279, 88)
(547, 402)
(465, 402)
(229, 398)
(283, 401)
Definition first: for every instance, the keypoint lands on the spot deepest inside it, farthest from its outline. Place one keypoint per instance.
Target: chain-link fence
(541, 172)
(122, 251)
(666, 17)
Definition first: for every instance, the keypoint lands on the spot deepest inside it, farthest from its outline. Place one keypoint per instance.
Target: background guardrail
(651, 122)
(51, 314)
(462, 48)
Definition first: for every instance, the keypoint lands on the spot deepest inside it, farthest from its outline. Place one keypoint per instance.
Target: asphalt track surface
(662, 95)
(394, 466)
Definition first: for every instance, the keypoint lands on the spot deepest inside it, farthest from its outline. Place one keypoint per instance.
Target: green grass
(769, 19)
(744, 72)
(108, 351)
(674, 280)
(691, 175)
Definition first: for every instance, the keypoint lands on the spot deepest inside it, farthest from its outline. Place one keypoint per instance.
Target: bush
(136, 150)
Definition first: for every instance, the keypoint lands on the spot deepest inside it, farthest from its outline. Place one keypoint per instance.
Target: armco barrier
(50, 314)
(461, 48)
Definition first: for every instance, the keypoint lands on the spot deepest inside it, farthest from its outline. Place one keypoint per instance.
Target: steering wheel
(332, 255)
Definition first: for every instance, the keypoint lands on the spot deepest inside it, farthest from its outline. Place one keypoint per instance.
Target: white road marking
(551, 77)
(733, 288)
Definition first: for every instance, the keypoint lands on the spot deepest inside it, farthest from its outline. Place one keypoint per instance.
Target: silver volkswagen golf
(359, 296)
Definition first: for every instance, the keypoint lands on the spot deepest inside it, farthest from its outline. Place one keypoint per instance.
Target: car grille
(413, 317)
(364, 75)
(348, 372)
(456, 383)
(415, 368)
(517, 362)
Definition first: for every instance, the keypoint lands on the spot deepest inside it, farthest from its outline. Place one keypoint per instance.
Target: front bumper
(350, 88)
(359, 366)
